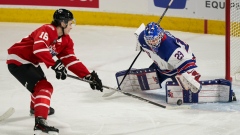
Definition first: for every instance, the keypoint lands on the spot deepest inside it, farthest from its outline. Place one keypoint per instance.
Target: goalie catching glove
(60, 70)
(96, 82)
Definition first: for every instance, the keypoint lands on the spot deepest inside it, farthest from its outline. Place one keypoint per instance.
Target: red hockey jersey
(41, 45)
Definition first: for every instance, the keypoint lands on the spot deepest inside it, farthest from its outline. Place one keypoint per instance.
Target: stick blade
(7, 114)
(108, 94)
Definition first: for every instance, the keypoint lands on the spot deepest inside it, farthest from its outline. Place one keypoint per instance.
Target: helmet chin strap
(62, 31)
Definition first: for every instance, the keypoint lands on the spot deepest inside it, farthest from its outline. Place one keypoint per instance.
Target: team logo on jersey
(177, 4)
(52, 47)
(52, 50)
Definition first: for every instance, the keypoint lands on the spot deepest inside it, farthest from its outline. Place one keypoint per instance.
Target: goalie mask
(153, 34)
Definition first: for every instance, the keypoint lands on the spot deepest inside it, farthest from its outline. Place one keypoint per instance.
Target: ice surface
(82, 111)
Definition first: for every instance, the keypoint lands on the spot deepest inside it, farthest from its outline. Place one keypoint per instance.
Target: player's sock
(51, 111)
(41, 98)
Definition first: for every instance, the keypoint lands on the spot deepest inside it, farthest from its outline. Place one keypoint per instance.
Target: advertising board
(65, 3)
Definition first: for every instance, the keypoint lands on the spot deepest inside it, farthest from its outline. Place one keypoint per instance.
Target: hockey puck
(179, 102)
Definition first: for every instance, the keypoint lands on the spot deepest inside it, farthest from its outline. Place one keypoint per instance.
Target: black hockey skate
(51, 111)
(42, 126)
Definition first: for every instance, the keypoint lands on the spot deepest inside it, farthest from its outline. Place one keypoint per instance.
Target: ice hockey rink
(107, 50)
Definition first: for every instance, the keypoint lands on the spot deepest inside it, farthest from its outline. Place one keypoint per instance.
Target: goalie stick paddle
(7, 114)
(131, 95)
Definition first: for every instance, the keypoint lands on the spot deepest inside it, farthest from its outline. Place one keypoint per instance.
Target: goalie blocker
(218, 90)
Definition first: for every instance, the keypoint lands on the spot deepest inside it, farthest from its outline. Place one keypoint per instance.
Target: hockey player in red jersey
(39, 47)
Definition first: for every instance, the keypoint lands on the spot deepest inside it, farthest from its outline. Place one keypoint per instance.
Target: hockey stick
(129, 69)
(7, 114)
(169, 4)
(126, 93)
(132, 95)
(88, 81)
(111, 93)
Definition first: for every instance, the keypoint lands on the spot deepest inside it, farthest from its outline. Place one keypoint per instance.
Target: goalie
(172, 58)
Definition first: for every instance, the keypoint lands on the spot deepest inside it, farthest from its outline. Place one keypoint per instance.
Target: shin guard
(41, 98)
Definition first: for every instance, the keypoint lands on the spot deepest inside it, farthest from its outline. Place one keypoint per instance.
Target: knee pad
(43, 85)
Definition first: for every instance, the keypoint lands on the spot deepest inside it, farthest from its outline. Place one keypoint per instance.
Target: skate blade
(52, 133)
(39, 132)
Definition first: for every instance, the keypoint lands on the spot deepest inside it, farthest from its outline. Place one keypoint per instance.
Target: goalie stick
(169, 4)
(7, 114)
(132, 95)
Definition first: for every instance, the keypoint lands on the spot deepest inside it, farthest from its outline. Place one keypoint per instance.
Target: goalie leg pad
(188, 82)
(218, 90)
(138, 79)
